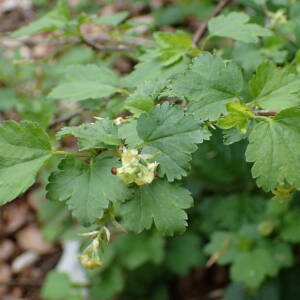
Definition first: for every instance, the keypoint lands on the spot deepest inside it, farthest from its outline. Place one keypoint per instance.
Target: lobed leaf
(160, 202)
(274, 88)
(24, 148)
(274, 149)
(235, 25)
(54, 20)
(87, 188)
(209, 84)
(172, 46)
(86, 82)
(101, 134)
(172, 137)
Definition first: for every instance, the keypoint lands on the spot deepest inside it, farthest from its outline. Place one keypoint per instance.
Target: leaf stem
(124, 92)
(65, 119)
(72, 153)
(204, 41)
(266, 113)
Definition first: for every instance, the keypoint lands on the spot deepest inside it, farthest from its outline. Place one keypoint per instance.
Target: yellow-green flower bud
(265, 228)
(277, 19)
(90, 257)
(136, 168)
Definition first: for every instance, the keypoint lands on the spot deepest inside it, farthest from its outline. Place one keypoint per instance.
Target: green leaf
(54, 20)
(209, 84)
(160, 202)
(24, 148)
(87, 188)
(74, 297)
(8, 98)
(172, 46)
(274, 88)
(86, 82)
(268, 290)
(223, 244)
(142, 100)
(113, 19)
(228, 164)
(239, 116)
(56, 287)
(251, 268)
(235, 25)
(290, 227)
(230, 212)
(273, 147)
(172, 136)
(282, 254)
(128, 132)
(36, 110)
(110, 283)
(233, 135)
(91, 72)
(139, 103)
(248, 56)
(137, 250)
(101, 134)
(150, 69)
(183, 253)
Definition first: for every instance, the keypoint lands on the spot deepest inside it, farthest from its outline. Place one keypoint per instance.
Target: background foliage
(205, 206)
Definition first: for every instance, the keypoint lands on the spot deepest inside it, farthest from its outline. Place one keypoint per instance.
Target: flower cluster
(277, 19)
(90, 257)
(136, 167)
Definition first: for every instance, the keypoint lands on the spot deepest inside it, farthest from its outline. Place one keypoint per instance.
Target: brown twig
(203, 27)
(98, 47)
(95, 41)
(266, 113)
(22, 282)
(66, 118)
(213, 259)
(37, 283)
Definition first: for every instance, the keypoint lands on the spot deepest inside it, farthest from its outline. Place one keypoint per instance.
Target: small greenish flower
(119, 121)
(277, 19)
(283, 193)
(136, 167)
(90, 258)
(265, 228)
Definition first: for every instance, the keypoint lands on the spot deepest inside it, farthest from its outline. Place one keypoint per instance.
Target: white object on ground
(24, 260)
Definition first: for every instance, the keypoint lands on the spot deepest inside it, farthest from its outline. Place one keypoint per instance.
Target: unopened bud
(265, 228)
(90, 257)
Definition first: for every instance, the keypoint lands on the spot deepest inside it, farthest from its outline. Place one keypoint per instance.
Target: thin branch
(94, 41)
(213, 259)
(199, 34)
(97, 47)
(37, 283)
(22, 282)
(66, 118)
(266, 113)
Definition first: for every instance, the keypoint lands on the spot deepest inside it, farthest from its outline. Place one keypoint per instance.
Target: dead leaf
(31, 238)
(7, 250)
(5, 276)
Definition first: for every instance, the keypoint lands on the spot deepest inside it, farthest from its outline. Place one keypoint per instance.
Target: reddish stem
(266, 113)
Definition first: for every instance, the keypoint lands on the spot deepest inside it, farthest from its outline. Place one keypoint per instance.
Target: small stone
(24, 260)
